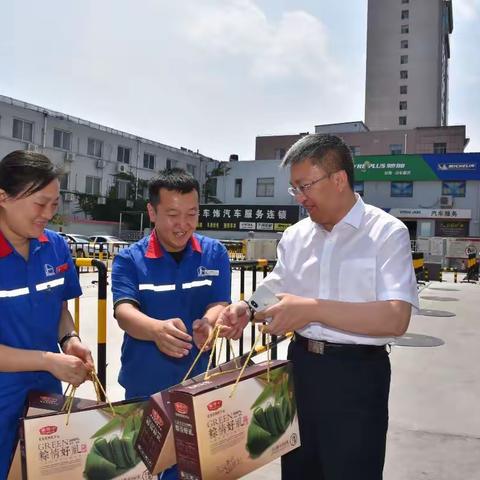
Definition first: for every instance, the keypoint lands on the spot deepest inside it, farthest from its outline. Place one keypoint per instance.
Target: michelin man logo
(204, 272)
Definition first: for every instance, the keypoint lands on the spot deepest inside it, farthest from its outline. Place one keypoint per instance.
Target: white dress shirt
(366, 257)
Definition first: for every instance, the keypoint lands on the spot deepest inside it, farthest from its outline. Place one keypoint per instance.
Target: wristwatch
(250, 309)
(67, 337)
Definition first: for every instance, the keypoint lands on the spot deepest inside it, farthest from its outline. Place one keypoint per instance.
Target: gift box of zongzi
(96, 442)
(224, 429)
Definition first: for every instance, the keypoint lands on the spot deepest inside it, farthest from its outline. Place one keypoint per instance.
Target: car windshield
(79, 238)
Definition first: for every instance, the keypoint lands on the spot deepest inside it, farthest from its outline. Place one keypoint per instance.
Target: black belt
(321, 347)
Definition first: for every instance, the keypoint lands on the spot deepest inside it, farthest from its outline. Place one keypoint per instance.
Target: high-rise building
(408, 51)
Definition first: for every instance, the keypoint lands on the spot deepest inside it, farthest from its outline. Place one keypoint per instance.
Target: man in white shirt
(346, 285)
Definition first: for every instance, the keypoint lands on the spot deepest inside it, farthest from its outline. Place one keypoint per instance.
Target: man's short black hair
(327, 151)
(173, 179)
(24, 173)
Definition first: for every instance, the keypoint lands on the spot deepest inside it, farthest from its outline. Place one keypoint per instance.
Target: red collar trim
(196, 244)
(6, 249)
(155, 250)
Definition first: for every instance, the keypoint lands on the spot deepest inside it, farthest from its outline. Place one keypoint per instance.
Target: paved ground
(434, 403)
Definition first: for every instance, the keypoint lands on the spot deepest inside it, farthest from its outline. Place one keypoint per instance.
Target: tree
(110, 211)
(209, 190)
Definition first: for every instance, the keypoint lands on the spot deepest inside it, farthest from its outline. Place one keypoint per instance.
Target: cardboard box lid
(201, 386)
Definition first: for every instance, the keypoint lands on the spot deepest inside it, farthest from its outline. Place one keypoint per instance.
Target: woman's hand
(67, 368)
(76, 348)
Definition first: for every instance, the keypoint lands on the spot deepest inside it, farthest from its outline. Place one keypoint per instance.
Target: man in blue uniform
(168, 290)
(37, 277)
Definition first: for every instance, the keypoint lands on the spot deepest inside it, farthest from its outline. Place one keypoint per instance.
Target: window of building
(454, 188)
(403, 59)
(63, 181)
(265, 187)
(149, 161)
(396, 149)
(403, 74)
(358, 187)
(123, 154)
(405, 29)
(171, 163)
(279, 153)
(440, 147)
(62, 139)
(403, 89)
(402, 120)
(95, 147)
(192, 169)
(238, 187)
(401, 189)
(403, 43)
(405, 14)
(92, 185)
(122, 188)
(402, 105)
(22, 130)
(355, 149)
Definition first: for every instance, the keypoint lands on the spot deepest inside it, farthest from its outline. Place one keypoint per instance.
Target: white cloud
(294, 46)
(466, 10)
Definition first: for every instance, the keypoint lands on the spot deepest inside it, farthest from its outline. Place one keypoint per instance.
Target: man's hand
(171, 337)
(234, 319)
(201, 331)
(76, 348)
(291, 313)
(66, 368)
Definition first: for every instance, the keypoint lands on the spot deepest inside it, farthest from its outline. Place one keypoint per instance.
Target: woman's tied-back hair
(22, 173)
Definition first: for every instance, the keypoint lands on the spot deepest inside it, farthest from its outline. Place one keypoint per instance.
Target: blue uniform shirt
(31, 296)
(162, 288)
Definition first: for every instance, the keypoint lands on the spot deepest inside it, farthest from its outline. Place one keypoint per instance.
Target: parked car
(78, 244)
(105, 243)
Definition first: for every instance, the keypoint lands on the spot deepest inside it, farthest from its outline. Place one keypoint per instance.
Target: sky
(210, 75)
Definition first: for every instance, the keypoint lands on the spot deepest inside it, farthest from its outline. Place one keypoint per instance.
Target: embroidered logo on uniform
(49, 270)
(205, 272)
(62, 268)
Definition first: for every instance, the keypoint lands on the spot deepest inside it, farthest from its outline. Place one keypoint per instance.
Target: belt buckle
(316, 346)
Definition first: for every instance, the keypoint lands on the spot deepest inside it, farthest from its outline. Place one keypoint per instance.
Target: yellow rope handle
(70, 394)
(246, 362)
(199, 354)
(67, 406)
(98, 385)
(214, 334)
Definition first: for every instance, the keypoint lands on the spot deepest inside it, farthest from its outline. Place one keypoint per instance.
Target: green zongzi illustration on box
(109, 457)
(273, 411)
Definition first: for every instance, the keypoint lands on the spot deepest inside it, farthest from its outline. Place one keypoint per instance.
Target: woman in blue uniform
(37, 277)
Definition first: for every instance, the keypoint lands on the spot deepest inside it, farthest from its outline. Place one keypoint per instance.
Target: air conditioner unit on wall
(100, 163)
(31, 147)
(122, 168)
(69, 157)
(446, 201)
(68, 197)
(101, 201)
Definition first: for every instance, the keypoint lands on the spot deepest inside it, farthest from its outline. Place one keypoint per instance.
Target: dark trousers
(342, 402)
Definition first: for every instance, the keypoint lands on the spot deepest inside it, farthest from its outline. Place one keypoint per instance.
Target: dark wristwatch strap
(67, 337)
(250, 309)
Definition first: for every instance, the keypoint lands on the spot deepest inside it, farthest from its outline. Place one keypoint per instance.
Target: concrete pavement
(434, 401)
